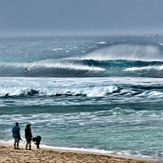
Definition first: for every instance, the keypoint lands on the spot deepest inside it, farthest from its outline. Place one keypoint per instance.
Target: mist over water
(88, 93)
(127, 52)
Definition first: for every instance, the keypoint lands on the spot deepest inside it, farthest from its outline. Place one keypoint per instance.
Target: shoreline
(51, 155)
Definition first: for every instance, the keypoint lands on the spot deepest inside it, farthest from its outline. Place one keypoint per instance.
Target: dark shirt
(28, 132)
(37, 139)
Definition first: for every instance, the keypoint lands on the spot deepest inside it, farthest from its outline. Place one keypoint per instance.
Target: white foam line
(84, 150)
(144, 68)
(47, 64)
(22, 145)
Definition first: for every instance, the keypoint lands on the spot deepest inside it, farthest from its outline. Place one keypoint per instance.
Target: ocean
(101, 94)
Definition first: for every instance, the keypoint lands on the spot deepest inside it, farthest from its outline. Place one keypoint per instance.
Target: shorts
(15, 136)
(28, 138)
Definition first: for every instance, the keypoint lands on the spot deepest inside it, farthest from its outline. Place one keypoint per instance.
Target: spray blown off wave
(127, 52)
(114, 58)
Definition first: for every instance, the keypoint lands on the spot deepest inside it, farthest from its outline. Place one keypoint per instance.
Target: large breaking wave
(116, 60)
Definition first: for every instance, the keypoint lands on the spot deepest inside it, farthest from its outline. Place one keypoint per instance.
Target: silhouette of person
(28, 136)
(16, 135)
(37, 141)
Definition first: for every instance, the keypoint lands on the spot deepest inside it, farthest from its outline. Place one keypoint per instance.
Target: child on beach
(37, 141)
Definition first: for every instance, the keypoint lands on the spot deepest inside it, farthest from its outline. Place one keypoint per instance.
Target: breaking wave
(83, 68)
(49, 87)
(116, 60)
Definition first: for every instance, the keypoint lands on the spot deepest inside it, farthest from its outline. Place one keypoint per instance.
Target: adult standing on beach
(16, 135)
(28, 136)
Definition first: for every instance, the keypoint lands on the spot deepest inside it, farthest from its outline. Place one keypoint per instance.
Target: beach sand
(45, 155)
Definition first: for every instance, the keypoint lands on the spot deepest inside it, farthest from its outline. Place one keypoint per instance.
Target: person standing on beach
(16, 135)
(28, 136)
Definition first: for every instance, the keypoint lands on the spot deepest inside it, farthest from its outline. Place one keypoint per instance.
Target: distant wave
(50, 68)
(63, 64)
(114, 60)
(82, 68)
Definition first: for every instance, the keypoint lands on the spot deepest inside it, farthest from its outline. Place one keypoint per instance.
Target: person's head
(16, 123)
(28, 126)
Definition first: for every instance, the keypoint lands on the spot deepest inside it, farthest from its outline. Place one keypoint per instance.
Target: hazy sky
(81, 16)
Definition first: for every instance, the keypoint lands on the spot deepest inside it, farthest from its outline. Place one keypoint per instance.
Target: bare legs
(16, 143)
(28, 144)
(38, 145)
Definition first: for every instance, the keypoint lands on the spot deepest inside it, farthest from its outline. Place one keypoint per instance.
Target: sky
(80, 16)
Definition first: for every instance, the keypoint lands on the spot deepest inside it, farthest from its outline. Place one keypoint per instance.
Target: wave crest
(127, 52)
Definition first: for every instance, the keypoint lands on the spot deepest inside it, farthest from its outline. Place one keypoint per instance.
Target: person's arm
(19, 134)
(31, 134)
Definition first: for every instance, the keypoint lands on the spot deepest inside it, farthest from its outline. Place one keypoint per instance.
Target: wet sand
(45, 155)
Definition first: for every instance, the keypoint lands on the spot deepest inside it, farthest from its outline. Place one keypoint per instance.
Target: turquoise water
(89, 93)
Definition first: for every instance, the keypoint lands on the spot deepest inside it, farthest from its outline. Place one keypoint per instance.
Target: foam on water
(68, 123)
(85, 90)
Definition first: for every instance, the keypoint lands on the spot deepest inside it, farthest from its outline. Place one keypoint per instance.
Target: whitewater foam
(160, 67)
(50, 64)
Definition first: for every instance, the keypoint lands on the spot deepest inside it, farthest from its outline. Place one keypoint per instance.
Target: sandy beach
(44, 155)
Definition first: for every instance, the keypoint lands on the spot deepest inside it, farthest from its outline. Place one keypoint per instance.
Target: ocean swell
(82, 68)
(119, 60)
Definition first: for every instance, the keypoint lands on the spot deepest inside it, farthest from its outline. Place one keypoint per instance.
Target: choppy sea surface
(102, 94)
